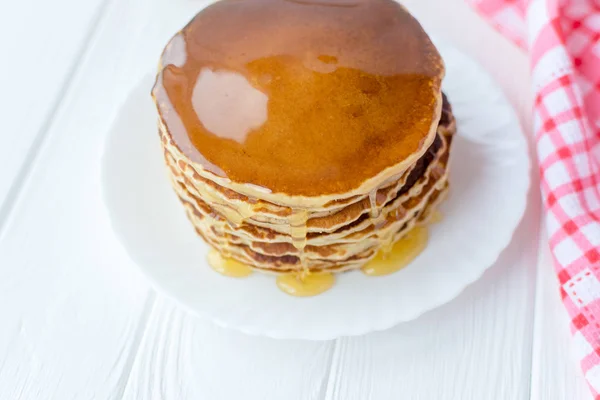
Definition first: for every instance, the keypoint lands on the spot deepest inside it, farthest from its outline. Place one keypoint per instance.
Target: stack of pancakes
(304, 136)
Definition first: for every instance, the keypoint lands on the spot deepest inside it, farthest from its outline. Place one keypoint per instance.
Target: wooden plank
(74, 307)
(183, 357)
(81, 322)
(476, 347)
(42, 43)
(458, 351)
(555, 373)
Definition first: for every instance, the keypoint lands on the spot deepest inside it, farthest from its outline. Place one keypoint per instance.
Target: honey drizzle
(401, 253)
(436, 217)
(374, 211)
(386, 236)
(305, 284)
(387, 243)
(298, 231)
(242, 212)
(227, 266)
(235, 215)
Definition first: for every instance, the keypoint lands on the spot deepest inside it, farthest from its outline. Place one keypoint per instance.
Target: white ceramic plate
(489, 182)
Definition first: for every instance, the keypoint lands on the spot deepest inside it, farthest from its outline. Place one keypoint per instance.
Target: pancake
(304, 136)
(331, 245)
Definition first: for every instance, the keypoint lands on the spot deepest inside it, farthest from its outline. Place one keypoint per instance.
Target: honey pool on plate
(390, 259)
(400, 255)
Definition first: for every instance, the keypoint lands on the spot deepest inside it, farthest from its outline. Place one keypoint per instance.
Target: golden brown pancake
(304, 134)
(341, 240)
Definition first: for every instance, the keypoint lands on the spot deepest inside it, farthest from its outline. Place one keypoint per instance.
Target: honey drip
(236, 216)
(227, 266)
(387, 243)
(386, 234)
(305, 284)
(436, 217)
(374, 211)
(225, 253)
(298, 230)
(401, 253)
(242, 212)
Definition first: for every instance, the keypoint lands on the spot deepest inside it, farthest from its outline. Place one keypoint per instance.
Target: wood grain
(41, 47)
(449, 353)
(80, 322)
(183, 357)
(555, 373)
(74, 308)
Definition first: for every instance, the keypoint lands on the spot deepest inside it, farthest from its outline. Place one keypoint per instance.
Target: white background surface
(78, 321)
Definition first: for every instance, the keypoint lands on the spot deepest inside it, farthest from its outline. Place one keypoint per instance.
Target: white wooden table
(78, 321)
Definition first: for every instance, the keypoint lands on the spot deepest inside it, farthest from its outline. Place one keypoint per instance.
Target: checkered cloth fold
(563, 41)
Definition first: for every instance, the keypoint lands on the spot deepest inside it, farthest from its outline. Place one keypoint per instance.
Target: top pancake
(301, 98)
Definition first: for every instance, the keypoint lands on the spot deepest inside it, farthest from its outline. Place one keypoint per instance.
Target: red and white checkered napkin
(563, 40)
